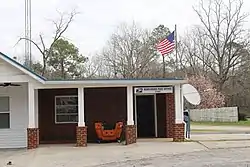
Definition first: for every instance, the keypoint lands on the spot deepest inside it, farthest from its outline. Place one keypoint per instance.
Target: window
(66, 109)
(4, 112)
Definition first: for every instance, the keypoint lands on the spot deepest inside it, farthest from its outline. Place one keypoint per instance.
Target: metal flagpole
(176, 51)
(164, 68)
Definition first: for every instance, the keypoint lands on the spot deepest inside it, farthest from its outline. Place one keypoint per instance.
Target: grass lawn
(240, 123)
(202, 131)
(205, 130)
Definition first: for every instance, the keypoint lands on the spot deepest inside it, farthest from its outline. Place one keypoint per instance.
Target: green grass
(205, 130)
(240, 123)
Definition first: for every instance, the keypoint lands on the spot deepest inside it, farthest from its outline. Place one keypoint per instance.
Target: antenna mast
(28, 33)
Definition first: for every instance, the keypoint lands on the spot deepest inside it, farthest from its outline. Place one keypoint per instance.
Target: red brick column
(170, 114)
(81, 136)
(33, 138)
(130, 134)
(179, 132)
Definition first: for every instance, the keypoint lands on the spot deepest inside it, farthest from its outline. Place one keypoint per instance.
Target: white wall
(16, 136)
(224, 114)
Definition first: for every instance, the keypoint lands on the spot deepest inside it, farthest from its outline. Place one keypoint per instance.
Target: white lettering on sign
(148, 90)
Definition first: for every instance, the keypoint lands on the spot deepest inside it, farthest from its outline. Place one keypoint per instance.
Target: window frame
(7, 112)
(56, 114)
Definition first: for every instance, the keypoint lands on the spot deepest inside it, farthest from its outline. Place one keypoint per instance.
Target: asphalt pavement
(213, 158)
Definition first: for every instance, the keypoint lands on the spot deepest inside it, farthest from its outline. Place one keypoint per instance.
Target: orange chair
(108, 135)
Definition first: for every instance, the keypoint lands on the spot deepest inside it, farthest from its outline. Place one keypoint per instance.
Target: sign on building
(150, 90)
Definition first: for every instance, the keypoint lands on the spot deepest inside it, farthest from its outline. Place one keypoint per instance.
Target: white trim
(182, 100)
(155, 112)
(81, 121)
(130, 106)
(7, 112)
(21, 69)
(178, 104)
(110, 83)
(135, 110)
(31, 106)
(55, 114)
(36, 108)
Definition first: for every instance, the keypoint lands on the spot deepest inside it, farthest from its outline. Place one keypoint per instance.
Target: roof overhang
(112, 83)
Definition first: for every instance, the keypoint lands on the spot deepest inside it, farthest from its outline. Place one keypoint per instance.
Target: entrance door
(145, 116)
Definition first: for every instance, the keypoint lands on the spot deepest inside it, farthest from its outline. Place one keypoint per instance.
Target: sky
(94, 24)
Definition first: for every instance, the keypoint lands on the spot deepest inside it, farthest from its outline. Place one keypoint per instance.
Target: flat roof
(89, 82)
(115, 82)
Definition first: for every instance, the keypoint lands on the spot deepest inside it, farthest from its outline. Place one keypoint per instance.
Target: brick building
(34, 110)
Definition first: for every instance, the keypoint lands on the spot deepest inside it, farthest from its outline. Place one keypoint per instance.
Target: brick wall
(170, 114)
(179, 134)
(81, 136)
(130, 134)
(33, 138)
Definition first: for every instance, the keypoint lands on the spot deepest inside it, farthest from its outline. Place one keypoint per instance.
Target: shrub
(210, 96)
(242, 117)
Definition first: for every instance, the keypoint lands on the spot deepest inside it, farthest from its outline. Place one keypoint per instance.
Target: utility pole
(27, 25)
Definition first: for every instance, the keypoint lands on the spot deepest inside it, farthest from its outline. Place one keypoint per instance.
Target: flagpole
(164, 68)
(176, 51)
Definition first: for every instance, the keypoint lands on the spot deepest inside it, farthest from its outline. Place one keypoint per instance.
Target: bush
(210, 96)
(242, 117)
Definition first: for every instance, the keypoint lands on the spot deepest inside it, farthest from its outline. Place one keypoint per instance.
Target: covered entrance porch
(110, 105)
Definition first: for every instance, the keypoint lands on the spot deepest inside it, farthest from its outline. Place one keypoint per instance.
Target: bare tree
(93, 68)
(61, 25)
(128, 53)
(219, 41)
(194, 58)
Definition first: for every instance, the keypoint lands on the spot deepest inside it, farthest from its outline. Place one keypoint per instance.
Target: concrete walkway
(96, 154)
(221, 128)
(210, 129)
(220, 137)
(226, 144)
(69, 156)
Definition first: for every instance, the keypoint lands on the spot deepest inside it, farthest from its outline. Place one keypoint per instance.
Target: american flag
(167, 45)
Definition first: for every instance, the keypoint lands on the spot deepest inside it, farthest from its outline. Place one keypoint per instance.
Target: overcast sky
(96, 21)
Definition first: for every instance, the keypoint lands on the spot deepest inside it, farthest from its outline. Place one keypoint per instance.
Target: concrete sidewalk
(96, 154)
(220, 137)
(226, 144)
(69, 156)
(220, 128)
